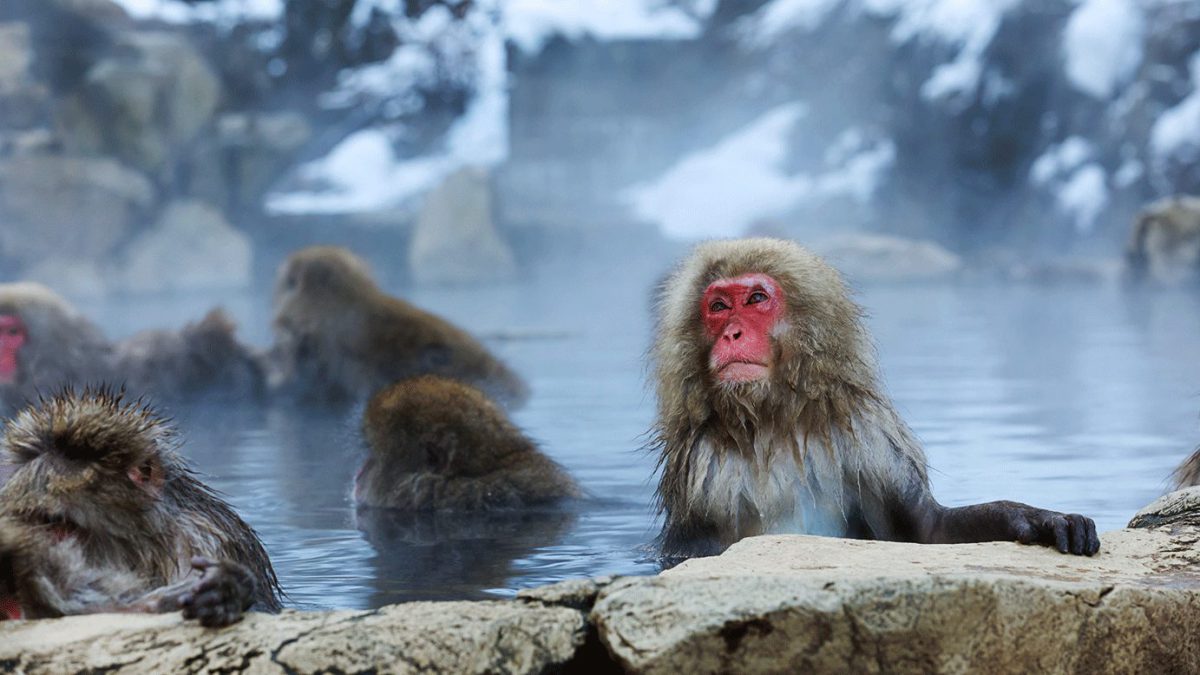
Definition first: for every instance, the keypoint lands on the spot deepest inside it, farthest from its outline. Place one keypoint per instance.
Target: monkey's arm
(1000, 521)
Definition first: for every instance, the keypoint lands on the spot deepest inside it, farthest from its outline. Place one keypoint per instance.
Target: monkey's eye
(757, 297)
(717, 306)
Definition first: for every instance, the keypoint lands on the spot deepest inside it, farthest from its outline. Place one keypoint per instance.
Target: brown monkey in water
(101, 514)
(339, 338)
(45, 343)
(771, 417)
(437, 444)
(201, 362)
(1164, 246)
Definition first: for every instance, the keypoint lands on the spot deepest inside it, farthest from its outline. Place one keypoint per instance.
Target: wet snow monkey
(102, 515)
(772, 419)
(436, 444)
(339, 338)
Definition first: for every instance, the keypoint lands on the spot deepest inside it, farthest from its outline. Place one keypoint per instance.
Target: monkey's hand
(223, 593)
(1013, 521)
(1067, 532)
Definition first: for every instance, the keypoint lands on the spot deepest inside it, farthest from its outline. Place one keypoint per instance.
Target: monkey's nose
(733, 334)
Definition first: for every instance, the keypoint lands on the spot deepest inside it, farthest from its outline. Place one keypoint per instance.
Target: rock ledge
(769, 604)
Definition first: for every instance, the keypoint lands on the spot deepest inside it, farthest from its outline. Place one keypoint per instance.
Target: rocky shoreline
(769, 604)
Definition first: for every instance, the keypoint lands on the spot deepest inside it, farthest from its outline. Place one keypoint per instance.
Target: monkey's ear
(148, 475)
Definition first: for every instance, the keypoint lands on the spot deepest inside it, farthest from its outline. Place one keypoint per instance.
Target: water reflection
(445, 556)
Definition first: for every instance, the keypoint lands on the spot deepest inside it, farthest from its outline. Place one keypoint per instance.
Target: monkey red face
(739, 315)
(12, 337)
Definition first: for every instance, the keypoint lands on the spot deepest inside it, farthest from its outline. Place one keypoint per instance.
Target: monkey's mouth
(743, 371)
(59, 527)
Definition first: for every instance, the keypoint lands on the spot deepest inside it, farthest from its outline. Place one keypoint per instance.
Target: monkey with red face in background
(45, 343)
(772, 420)
(102, 515)
(340, 338)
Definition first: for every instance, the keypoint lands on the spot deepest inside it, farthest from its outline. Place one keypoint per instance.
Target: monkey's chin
(739, 371)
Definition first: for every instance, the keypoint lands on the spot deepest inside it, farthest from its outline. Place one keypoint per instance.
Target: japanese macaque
(45, 343)
(101, 515)
(1188, 473)
(339, 338)
(1165, 244)
(772, 419)
(202, 362)
(437, 444)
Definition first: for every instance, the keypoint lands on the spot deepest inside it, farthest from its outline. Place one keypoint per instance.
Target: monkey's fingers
(1079, 534)
(213, 609)
(220, 596)
(1070, 533)
(1061, 529)
(1084, 540)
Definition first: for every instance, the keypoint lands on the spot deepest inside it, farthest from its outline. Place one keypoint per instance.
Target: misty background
(529, 169)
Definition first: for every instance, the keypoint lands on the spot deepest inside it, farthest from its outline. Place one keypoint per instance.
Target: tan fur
(804, 451)
(72, 456)
(437, 444)
(1188, 473)
(339, 337)
(1164, 246)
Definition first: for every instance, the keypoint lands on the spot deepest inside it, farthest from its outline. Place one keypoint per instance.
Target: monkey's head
(319, 275)
(434, 424)
(42, 338)
(94, 468)
(753, 322)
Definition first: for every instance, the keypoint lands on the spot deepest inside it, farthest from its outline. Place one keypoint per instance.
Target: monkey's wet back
(1076, 399)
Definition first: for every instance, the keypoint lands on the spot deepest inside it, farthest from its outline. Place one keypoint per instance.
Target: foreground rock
(452, 637)
(806, 604)
(769, 604)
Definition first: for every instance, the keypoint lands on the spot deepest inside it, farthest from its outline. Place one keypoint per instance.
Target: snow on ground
(530, 23)
(226, 12)
(1176, 133)
(1102, 45)
(741, 179)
